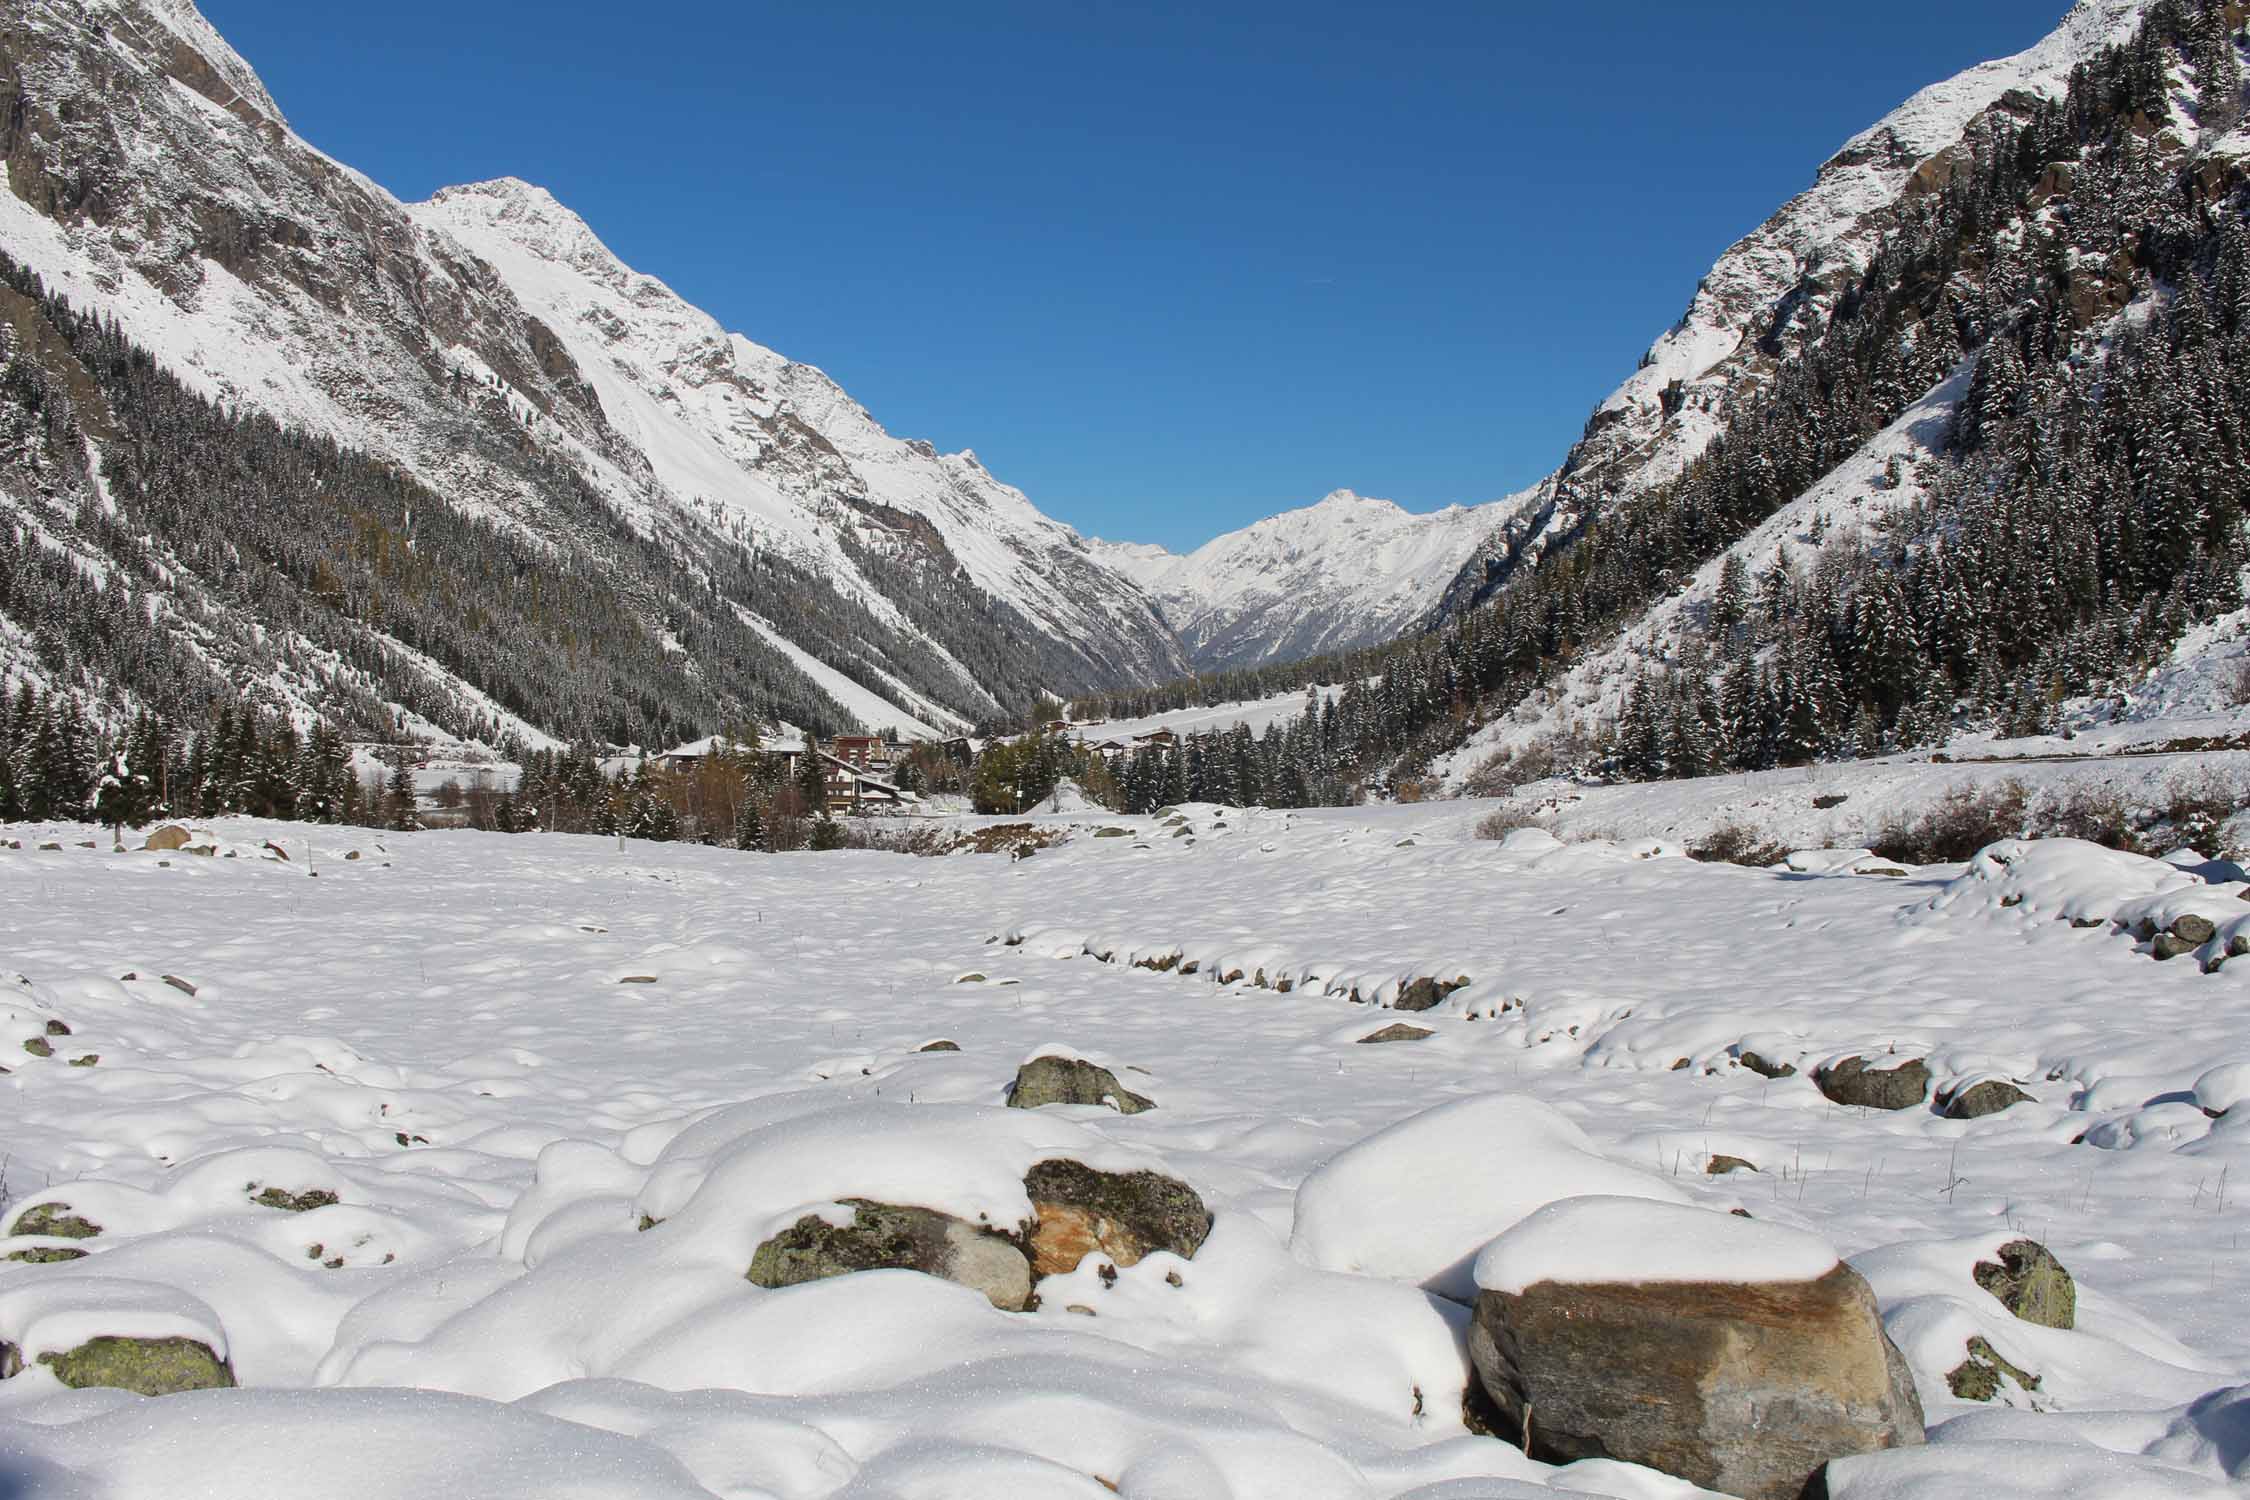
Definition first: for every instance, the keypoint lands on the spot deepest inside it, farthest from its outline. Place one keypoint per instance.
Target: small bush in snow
(1963, 821)
(1737, 844)
(1502, 821)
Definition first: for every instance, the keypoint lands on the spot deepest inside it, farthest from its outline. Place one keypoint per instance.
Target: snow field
(444, 1044)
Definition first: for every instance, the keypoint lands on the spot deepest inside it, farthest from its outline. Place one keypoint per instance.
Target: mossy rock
(895, 1237)
(295, 1203)
(55, 1221)
(1072, 1080)
(2031, 1284)
(87, 1061)
(941, 1045)
(1987, 1098)
(1113, 833)
(1980, 1376)
(58, 1028)
(47, 1255)
(1853, 1082)
(1766, 1067)
(38, 1046)
(1126, 1216)
(148, 1367)
(1425, 993)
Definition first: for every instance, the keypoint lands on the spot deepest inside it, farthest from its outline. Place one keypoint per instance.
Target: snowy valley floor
(501, 1055)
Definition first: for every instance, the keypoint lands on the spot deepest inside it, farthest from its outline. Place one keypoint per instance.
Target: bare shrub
(1963, 821)
(2197, 805)
(1502, 821)
(1737, 844)
(2094, 813)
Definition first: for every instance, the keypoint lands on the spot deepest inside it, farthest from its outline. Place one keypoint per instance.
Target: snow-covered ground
(502, 1055)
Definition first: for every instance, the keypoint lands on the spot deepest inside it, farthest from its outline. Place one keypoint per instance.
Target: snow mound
(1418, 1201)
(1603, 1241)
(2059, 880)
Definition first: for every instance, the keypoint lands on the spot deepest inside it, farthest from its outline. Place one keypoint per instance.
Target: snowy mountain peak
(1349, 570)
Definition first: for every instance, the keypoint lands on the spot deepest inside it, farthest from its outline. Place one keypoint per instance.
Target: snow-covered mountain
(488, 346)
(1347, 572)
(1783, 275)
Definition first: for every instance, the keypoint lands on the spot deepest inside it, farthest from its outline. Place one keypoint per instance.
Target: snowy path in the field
(413, 1029)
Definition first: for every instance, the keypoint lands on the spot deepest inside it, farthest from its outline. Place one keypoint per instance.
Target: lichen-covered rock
(149, 1367)
(895, 1237)
(1851, 1081)
(46, 1255)
(295, 1203)
(1126, 1216)
(1744, 1388)
(1980, 1377)
(2031, 1284)
(1072, 1080)
(54, 1221)
(1981, 1099)
(1765, 1068)
(1426, 993)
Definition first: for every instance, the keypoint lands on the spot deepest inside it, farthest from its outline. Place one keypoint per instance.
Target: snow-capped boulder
(2223, 1087)
(112, 1332)
(871, 1236)
(1974, 1099)
(1051, 1079)
(1737, 1355)
(1850, 1081)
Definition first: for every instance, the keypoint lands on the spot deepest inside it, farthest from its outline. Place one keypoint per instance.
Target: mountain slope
(835, 573)
(1345, 573)
(1771, 287)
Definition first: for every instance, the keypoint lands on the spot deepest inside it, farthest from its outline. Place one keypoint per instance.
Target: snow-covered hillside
(457, 1154)
(1347, 572)
(486, 343)
(1782, 274)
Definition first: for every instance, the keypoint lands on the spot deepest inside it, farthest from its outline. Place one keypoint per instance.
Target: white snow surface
(438, 1035)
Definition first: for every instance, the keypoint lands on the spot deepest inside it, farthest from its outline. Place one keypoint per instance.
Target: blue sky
(1168, 267)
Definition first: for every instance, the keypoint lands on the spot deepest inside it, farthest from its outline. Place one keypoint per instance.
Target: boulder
(294, 1203)
(2167, 946)
(1425, 993)
(1397, 1032)
(38, 1046)
(1852, 1081)
(1113, 833)
(1747, 1388)
(894, 1237)
(1981, 1099)
(1765, 1068)
(168, 839)
(1123, 1215)
(1720, 1165)
(1072, 1080)
(56, 1221)
(940, 1045)
(2031, 1284)
(2193, 930)
(148, 1367)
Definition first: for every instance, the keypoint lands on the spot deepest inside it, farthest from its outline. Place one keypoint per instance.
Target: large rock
(1072, 1080)
(1123, 1215)
(2031, 1284)
(1427, 992)
(150, 1367)
(892, 1237)
(1743, 1387)
(1980, 1099)
(1852, 1081)
(169, 838)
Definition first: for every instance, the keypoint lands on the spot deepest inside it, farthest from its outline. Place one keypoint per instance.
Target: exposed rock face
(2031, 1284)
(1748, 1389)
(150, 1367)
(1981, 1099)
(1123, 1215)
(1853, 1082)
(891, 1237)
(1398, 1031)
(1072, 1080)
(57, 1220)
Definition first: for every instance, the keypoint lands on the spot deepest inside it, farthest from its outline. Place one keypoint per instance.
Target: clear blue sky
(1169, 267)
